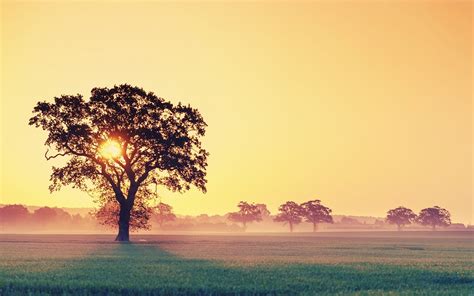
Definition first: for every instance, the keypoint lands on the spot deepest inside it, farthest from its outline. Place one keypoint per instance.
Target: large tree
(291, 213)
(434, 216)
(120, 142)
(247, 213)
(314, 212)
(400, 216)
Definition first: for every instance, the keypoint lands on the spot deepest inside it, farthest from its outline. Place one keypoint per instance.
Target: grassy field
(411, 263)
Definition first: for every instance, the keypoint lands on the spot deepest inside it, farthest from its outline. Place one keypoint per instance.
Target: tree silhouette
(45, 216)
(120, 142)
(400, 216)
(264, 212)
(164, 213)
(247, 213)
(314, 212)
(434, 216)
(14, 214)
(291, 213)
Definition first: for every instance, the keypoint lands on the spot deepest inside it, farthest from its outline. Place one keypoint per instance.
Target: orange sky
(365, 105)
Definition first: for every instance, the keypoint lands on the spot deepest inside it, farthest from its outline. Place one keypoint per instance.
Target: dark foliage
(434, 216)
(291, 213)
(314, 212)
(247, 213)
(400, 216)
(158, 143)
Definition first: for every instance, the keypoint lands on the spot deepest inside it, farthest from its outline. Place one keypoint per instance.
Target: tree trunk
(315, 227)
(245, 225)
(124, 224)
(399, 227)
(291, 227)
(434, 227)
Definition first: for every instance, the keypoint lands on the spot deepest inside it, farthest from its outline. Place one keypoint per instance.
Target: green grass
(322, 264)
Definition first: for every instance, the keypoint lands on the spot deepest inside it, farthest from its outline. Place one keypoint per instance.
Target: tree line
(163, 217)
(48, 218)
(314, 212)
(18, 217)
(123, 142)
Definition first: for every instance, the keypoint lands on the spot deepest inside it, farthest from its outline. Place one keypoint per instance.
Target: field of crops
(411, 263)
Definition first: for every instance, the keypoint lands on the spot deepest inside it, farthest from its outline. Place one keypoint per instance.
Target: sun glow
(110, 149)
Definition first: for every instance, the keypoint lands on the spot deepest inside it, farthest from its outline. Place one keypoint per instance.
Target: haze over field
(364, 105)
(45, 220)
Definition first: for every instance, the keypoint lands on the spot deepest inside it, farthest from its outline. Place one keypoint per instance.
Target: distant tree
(264, 212)
(77, 220)
(45, 215)
(202, 218)
(247, 213)
(434, 216)
(291, 213)
(108, 215)
(349, 220)
(400, 216)
(63, 216)
(121, 142)
(457, 226)
(314, 212)
(14, 214)
(378, 222)
(164, 213)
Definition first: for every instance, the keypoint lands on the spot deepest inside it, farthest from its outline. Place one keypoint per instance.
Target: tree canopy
(121, 141)
(164, 213)
(247, 213)
(434, 216)
(13, 214)
(400, 216)
(290, 213)
(314, 212)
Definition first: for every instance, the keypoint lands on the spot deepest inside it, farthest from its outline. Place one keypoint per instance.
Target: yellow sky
(365, 105)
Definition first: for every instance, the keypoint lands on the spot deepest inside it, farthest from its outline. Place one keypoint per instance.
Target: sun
(110, 149)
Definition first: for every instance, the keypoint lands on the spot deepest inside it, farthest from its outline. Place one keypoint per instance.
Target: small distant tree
(164, 213)
(400, 216)
(63, 216)
(14, 214)
(264, 212)
(202, 218)
(247, 213)
(378, 222)
(45, 215)
(77, 220)
(291, 213)
(349, 221)
(314, 212)
(434, 216)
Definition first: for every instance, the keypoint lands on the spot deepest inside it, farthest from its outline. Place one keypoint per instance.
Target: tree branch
(54, 156)
(118, 192)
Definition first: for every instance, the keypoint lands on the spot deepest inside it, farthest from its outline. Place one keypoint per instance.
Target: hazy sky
(364, 105)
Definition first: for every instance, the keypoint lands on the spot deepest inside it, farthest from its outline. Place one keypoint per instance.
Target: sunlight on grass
(204, 265)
